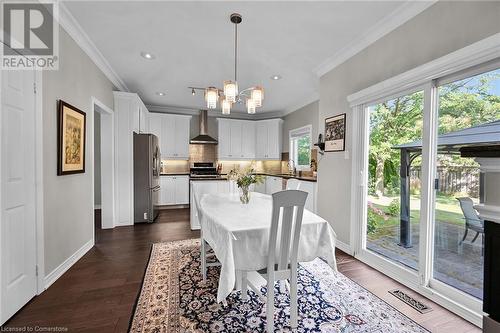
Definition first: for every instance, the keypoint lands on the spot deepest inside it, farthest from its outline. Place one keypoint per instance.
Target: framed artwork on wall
(335, 133)
(71, 124)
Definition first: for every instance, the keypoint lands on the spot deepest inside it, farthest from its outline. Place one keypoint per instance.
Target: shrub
(393, 208)
(372, 222)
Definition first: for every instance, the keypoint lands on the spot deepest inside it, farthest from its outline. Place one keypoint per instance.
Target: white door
(17, 225)
(248, 139)
(182, 137)
(181, 190)
(168, 136)
(273, 140)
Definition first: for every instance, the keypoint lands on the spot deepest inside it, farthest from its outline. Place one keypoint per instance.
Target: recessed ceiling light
(276, 77)
(147, 55)
(160, 93)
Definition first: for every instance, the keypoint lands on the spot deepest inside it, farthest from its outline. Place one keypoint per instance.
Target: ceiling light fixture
(147, 55)
(229, 94)
(276, 77)
(160, 93)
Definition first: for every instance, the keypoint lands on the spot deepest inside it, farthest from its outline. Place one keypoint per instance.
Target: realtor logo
(30, 35)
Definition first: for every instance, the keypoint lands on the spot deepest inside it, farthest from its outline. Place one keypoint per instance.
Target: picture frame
(335, 128)
(71, 136)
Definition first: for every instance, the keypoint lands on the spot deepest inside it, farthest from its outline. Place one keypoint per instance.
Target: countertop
(224, 176)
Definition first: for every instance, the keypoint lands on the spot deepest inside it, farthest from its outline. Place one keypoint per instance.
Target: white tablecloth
(239, 235)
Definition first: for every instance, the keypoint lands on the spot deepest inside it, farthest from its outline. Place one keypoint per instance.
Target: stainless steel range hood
(203, 138)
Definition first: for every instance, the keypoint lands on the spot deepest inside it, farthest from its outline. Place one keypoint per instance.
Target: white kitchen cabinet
(274, 184)
(310, 188)
(261, 188)
(268, 139)
(128, 112)
(248, 140)
(174, 190)
(204, 187)
(173, 134)
(236, 139)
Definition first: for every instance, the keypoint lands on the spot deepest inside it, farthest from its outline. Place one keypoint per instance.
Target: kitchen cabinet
(204, 187)
(173, 134)
(268, 139)
(236, 139)
(130, 115)
(174, 190)
(274, 184)
(310, 188)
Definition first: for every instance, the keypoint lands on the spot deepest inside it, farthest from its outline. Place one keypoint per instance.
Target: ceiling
(193, 45)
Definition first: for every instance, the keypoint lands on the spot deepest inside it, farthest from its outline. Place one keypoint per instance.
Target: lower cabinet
(204, 187)
(274, 184)
(174, 190)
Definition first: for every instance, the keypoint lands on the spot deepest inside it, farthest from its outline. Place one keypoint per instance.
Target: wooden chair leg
(270, 305)
(293, 299)
(203, 258)
(244, 286)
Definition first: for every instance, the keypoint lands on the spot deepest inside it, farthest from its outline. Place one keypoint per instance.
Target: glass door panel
(467, 108)
(393, 209)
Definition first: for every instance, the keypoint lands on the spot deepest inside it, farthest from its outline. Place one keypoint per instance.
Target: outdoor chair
(472, 219)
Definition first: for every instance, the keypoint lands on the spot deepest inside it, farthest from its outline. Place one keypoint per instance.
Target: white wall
(306, 115)
(68, 205)
(439, 30)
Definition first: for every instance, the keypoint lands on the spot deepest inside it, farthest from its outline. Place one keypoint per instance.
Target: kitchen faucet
(291, 166)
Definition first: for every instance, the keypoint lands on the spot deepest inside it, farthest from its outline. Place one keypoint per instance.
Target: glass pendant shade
(211, 96)
(230, 90)
(226, 106)
(250, 106)
(258, 96)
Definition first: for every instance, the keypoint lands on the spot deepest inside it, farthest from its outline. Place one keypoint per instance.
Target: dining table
(239, 235)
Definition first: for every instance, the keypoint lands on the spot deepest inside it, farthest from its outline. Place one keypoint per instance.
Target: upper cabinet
(173, 134)
(248, 139)
(269, 138)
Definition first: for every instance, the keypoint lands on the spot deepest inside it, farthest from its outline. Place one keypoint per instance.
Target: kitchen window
(300, 147)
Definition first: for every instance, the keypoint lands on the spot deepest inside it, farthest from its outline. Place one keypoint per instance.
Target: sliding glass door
(393, 202)
(468, 112)
(421, 181)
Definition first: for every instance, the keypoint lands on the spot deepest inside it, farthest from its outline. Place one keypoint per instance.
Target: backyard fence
(456, 179)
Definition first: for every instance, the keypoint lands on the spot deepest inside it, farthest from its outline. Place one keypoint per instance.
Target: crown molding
(396, 18)
(474, 54)
(73, 28)
(216, 113)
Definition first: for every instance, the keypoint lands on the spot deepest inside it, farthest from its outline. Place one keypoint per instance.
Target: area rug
(174, 298)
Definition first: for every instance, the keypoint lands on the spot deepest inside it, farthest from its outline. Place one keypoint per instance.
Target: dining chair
(293, 184)
(204, 246)
(282, 256)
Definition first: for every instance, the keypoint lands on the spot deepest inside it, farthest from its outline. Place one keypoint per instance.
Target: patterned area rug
(174, 298)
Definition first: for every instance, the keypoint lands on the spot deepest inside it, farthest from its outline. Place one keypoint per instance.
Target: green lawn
(447, 210)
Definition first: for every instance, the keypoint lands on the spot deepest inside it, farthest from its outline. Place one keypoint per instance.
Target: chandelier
(252, 97)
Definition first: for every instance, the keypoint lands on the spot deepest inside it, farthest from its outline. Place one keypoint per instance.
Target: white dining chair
(282, 257)
(204, 246)
(293, 184)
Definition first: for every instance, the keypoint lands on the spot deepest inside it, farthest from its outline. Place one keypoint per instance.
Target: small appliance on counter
(147, 166)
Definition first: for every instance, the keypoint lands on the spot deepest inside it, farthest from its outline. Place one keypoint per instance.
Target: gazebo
(477, 141)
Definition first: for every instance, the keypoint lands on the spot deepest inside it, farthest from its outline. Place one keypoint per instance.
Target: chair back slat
(289, 205)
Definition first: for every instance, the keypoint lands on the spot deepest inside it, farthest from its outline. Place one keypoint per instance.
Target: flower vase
(244, 195)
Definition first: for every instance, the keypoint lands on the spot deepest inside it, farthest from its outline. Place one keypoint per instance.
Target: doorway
(103, 166)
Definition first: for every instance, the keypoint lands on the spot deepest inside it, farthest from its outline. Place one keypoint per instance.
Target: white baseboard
(62, 268)
(344, 247)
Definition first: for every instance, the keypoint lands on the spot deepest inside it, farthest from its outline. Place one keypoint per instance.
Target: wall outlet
(145, 216)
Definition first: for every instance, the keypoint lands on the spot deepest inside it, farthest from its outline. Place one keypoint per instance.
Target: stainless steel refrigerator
(147, 161)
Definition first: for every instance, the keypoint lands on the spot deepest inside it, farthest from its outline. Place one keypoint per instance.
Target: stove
(203, 170)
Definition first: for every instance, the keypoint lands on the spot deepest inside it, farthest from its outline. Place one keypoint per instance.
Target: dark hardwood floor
(99, 292)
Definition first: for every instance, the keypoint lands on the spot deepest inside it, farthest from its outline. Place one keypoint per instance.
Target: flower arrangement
(244, 178)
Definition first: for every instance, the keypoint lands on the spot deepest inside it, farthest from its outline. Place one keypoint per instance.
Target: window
(300, 147)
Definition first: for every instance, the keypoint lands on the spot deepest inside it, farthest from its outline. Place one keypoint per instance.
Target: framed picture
(70, 139)
(335, 133)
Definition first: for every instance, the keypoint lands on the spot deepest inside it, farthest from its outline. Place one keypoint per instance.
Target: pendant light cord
(235, 52)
